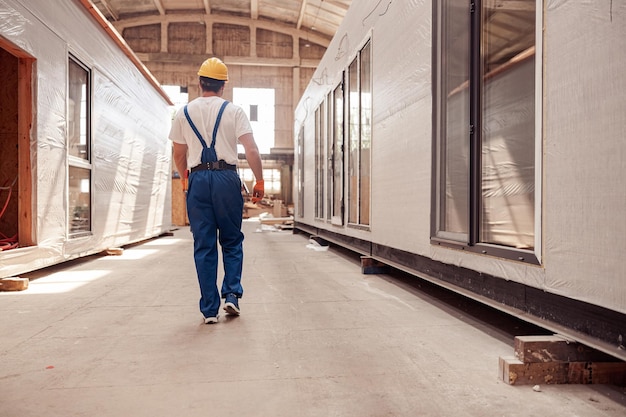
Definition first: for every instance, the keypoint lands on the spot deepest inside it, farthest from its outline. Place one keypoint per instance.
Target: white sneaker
(210, 320)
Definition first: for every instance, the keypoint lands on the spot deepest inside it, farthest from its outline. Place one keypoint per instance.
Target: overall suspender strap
(217, 123)
(209, 157)
(195, 130)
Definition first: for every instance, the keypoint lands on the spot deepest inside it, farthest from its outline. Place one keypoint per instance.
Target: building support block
(371, 266)
(13, 284)
(557, 360)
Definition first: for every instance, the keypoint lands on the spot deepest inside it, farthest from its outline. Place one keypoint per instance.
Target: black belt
(214, 166)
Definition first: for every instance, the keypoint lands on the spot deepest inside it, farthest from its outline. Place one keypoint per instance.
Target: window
(80, 199)
(327, 155)
(359, 136)
(178, 95)
(79, 148)
(485, 127)
(300, 172)
(336, 158)
(254, 112)
(259, 106)
(271, 179)
(320, 170)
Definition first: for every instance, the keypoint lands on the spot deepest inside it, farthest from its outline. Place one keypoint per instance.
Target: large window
(328, 156)
(320, 170)
(259, 106)
(79, 148)
(271, 177)
(486, 124)
(300, 172)
(336, 157)
(359, 136)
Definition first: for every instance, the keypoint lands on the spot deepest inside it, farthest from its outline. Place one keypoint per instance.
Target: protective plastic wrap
(130, 156)
(571, 206)
(585, 151)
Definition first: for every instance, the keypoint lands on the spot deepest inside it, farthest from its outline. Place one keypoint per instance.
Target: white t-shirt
(203, 112)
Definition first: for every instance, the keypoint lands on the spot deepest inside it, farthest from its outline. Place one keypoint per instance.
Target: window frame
(471, 241)
(300, 171)
(328, 155)
(336, 153)
(75, 162)
(320, 160)
(355, 191)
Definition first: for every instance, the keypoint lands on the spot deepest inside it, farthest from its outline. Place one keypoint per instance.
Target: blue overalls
(215, 207)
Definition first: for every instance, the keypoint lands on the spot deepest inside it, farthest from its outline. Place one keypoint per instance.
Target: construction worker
(205, 134)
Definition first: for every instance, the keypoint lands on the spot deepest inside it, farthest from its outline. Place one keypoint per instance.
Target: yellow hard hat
(214, 68)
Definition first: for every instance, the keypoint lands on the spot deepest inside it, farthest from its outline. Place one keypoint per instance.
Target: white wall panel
(585, 144)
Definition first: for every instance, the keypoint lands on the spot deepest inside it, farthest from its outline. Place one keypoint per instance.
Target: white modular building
(85, 159)
(479, 146)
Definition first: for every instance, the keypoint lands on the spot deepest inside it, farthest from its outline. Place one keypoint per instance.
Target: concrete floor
(122, 336)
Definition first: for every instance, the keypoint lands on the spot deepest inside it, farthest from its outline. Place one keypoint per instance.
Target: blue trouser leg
(215, 205)
(204, 229)
(228, 213)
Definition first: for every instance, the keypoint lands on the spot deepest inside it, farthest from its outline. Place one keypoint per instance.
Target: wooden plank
(179, 204)
(597, 373)
(26, 231)
(249, 211)
(13, 284)
(515, 372)
(114, 251)
(556, 348)
(276, 220)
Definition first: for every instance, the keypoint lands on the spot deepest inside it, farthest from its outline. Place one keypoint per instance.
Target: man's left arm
(254, 161)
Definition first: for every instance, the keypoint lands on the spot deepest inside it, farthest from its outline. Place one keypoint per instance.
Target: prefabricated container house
(480, 146)
(84, 154)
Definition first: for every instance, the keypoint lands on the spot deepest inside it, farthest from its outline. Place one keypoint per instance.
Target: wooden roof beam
(254, 9)
(302, 10)
(110, 9)
(194, 60)
(159, 6)
(210, 20)
(121, 43)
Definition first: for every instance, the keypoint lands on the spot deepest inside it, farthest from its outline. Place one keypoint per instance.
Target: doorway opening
(16, 170)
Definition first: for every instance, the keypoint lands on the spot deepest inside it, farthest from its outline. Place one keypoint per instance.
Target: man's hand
(258, 191)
